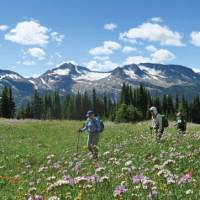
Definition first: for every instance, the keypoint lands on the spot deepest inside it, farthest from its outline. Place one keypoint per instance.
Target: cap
(89, 113)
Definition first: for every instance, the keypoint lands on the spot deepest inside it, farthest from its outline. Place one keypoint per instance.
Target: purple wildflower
(119, 190)
(138, 178)
(152, 194)
(185, 179)
(69, 180)
(93, 178)
(38, 197)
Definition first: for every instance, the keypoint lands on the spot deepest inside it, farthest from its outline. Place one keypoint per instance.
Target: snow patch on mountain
(45, 83)
(78, 70)
(156, 74)
(91, 76)
(61, 72)
(131, 74)
(11, 76)
(33, 82)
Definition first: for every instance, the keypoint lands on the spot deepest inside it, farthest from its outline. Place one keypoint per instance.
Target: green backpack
(165, 122)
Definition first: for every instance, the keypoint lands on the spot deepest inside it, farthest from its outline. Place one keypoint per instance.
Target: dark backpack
(182, 124)
(165, 122)
(101, 129)
(100, 125)
(183, 121)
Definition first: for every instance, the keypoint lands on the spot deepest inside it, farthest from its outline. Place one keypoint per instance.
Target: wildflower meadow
(40, 160)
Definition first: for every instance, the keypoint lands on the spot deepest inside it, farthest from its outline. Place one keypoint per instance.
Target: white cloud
(107, 48)
(110, 26)
(37, 53)
(28, 62)
(136, 60)
(195, 38)
(122, 37)
(151, 48)
(162, 55)
(101, 57)
(28, 33)
(106, 65)
(57, 37)
(159, 56)
(154, 32)
(101, 50)
(112, 45)
(128, 49)
(156, 19)
(3, 27)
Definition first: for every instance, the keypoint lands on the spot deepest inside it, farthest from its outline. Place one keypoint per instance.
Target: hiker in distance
(94, 126)
(159, 122)
(181, 123)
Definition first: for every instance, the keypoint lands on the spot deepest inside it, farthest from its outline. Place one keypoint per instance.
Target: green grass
(24, 167)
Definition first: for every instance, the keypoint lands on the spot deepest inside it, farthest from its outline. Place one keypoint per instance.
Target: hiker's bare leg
(95, 140)
(89, 143)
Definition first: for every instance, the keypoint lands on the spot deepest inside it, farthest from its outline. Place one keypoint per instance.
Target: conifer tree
(11, 106)
(37, 105)
(5, 103)
(195, 110)
(177, 103)
(57, 106)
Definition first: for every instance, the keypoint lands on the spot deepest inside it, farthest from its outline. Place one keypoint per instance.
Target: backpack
(165, 122)
(100, 125)
(182, 123)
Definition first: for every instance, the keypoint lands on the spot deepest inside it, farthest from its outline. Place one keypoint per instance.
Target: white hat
(154, 110)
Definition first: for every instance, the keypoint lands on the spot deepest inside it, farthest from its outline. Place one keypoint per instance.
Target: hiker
(93, 126)
(181, 123)
(157, 122)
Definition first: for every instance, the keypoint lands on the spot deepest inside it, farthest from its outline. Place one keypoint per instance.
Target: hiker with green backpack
(181, 123)
(159, 122)
(94, 126)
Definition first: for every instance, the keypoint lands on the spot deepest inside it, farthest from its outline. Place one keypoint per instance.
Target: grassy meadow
(39, 161)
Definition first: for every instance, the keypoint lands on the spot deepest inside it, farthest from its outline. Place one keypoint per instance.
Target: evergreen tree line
(132, 105)
(7, 103)
(72, 107)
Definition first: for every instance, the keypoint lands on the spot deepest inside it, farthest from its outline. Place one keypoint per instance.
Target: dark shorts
(93, 139)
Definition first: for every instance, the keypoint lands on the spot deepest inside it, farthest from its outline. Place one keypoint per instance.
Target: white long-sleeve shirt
(157, 122)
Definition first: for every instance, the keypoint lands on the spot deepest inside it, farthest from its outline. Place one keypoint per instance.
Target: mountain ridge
(67, 77)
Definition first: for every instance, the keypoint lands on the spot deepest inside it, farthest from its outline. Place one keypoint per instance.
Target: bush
(127, 113)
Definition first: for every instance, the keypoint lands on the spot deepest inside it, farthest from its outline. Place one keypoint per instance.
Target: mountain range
(70, 78)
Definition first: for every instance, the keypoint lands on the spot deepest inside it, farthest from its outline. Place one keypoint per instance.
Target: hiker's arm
(154, 124)
(82, 129)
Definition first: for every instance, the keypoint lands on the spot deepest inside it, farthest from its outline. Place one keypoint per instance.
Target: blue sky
(37, 35)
